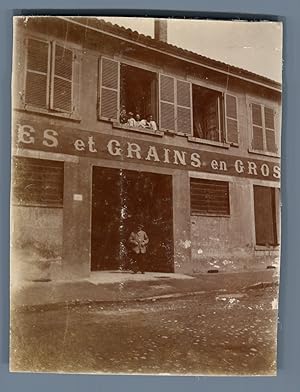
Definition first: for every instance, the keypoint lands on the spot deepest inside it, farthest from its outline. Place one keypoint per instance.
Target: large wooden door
(122, 199)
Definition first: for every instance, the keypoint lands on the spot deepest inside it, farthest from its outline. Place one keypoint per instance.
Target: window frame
(276, 212)
(120, 61)
(263, 104)
(48, 162)
(221, 116)
(75, 82)
(211, 179)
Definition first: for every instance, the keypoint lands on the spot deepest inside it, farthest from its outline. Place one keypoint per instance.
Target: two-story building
(205, 183)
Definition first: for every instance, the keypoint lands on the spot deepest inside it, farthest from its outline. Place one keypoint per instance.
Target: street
(211, 333)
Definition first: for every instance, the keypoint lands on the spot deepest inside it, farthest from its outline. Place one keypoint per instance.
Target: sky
(254, 46)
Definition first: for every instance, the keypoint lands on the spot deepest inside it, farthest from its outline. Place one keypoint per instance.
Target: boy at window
(123, 116)
(138, 120)
(143, 123)
(151, 123)
(131, 121)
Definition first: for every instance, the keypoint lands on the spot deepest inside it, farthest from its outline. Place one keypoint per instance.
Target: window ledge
(36, 205)
(264, 248)
(67, 116)
(266, 153)
(138, 130)
(209, 142)
(210, 215)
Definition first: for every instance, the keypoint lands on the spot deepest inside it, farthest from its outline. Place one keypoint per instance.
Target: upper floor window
(263, 128)
(215, 115)
(50, 76)
(141, 98)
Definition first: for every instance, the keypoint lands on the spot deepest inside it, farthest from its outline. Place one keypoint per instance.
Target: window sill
(37, 205)
(138, 130)
(67, 116)
(266, 153)
(264, 248)
(209, 142)
(210, 215)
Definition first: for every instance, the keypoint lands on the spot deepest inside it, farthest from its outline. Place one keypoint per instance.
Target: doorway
(120, 200)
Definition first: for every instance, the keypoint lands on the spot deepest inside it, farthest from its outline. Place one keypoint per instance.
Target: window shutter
(184, 107)
(167, 102)
(265, 215)
(37, 73)
(62, 79)
(257, 127)
(209, 197)
(270, 129)
(109, 88)
(38, 182)
(231, 119)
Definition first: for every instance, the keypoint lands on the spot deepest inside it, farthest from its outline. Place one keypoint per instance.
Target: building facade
(204, 182)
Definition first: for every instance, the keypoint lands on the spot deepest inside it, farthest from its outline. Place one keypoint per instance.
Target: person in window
(143, 123)
(151, 123)
(131, 120)
(138, 120)
(123, 116)
(138, 242)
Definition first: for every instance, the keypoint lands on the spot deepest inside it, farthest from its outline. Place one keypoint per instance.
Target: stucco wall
(37, 235)
(228, 243)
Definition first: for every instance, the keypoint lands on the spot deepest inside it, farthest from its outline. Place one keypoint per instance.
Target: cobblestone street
(202, 334)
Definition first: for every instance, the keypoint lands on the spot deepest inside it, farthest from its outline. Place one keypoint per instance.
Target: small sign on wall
(77, 197)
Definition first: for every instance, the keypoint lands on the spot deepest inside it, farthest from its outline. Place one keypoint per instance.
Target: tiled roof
(135, 36)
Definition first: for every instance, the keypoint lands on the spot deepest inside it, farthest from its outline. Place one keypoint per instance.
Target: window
(50, 76)
(143, 92)
(126, 88)
(138, 91)
(209, 197)
(38, 182)
(265, 215)
(215, 115)
(263, 128)
(175, 104)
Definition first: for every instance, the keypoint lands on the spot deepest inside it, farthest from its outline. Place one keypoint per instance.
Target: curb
(79, 303)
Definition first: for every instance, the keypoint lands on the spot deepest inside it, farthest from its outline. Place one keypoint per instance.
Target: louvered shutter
(257, 127)
(109, 88)
(184, 107)
(231, 119)
(62, 78)
(270, 129)
(167, 102)
(37, 73)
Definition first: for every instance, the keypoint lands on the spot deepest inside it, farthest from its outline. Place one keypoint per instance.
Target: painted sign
(97, 145)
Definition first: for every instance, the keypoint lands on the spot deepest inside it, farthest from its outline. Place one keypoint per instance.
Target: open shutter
(62, 78)
(77, 61)
(37, 73)
(257, 127)
(109, 88)
(270, 129)
(184, 107)
(231, 119)
(167, 102)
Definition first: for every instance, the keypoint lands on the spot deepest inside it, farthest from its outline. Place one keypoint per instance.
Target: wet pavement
(211, 333)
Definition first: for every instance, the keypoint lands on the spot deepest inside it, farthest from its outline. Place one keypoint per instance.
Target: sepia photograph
(145, 196)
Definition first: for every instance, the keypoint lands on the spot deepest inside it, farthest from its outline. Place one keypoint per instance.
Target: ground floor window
(265, 211)
(37, 182)
(209, 197)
